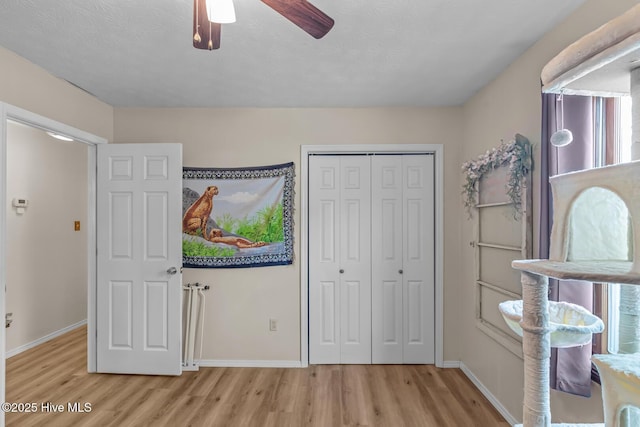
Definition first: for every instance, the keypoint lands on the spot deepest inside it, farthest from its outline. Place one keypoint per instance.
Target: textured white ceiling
(379, 53)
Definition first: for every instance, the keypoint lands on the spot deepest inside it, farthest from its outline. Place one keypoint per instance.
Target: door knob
(341, 271)
(172, 270)
(400, 271)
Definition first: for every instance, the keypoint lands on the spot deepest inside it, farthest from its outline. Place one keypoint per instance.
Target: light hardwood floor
(324, 395)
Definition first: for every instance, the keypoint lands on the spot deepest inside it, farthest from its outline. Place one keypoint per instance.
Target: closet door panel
(324, 263)
(418, 259)
(390, 319)
(386, 219)
(355, 259)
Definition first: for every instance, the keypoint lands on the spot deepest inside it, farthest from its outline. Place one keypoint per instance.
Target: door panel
(120, 230)
(139, 207)
(386, 249)
(328, 313)
(418, 263)
(414, 213)
(339, 260)
(120, 326)
(415, 311)
(156, 239)
(328, 231)
(324, 276)
(352, 293)
(388, 225)
(352, 230)
(155, 306)
(355, 259)
(391, 318)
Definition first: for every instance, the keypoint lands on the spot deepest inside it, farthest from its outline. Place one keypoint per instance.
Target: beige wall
(25, 85)
(46, 259)
(509, 105)
(242, 300)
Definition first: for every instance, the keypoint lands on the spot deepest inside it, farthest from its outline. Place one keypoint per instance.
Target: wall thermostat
(20, 203)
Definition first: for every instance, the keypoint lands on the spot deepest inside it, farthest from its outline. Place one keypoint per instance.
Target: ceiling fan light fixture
(210, 15)
(221, 11)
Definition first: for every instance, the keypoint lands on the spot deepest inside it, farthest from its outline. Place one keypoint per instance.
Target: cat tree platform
(570, 325)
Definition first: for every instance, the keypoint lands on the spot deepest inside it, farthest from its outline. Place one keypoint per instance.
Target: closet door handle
(400, 271)
(341, 271)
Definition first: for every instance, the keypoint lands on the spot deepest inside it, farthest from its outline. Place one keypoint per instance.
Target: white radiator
(194, 304)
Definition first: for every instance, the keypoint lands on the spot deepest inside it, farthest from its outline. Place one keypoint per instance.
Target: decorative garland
(516, 154)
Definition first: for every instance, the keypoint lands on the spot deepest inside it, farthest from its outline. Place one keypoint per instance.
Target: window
(621, 302)
(613, 145)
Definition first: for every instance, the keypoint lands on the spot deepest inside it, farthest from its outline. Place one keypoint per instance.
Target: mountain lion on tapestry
(197, 217)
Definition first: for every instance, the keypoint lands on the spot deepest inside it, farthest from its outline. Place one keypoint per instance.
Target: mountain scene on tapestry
(239, 217)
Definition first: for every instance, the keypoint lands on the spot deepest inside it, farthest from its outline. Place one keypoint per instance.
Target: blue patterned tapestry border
(237, 217)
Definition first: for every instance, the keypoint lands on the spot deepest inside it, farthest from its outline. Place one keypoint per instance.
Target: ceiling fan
(206, 34)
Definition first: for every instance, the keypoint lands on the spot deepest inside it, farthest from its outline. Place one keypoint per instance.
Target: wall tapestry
(238, 217)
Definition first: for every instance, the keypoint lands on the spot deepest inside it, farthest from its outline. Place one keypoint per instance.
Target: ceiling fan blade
(304, 15)
(206, 35)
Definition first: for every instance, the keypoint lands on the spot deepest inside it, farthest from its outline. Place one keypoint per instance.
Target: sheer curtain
(570, 368)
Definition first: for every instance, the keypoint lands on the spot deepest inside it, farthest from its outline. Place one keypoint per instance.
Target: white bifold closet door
(339, 250)
(371, 259)
(402, 247)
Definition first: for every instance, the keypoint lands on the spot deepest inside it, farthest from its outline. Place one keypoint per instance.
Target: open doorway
(47, 253)
(15, 114)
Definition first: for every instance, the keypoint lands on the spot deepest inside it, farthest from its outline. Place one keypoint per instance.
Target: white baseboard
(490, 397)
(44, 339)
(450, 364)
(194, 367)
(249, 363)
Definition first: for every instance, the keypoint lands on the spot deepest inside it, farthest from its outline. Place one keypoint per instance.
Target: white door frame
(10, 112)
(308, 150)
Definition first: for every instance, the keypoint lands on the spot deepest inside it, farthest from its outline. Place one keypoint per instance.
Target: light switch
(76, 225)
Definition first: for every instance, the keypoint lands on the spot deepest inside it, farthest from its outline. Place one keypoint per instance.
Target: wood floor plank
(321, 395)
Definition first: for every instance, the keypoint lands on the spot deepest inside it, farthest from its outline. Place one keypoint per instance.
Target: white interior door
(324, 260)
(403, 320)
(139, 206)
(387, 259)
(418, 263)
(355, 259)
(339, 260)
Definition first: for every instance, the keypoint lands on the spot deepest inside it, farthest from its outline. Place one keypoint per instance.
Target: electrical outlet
(273, 325)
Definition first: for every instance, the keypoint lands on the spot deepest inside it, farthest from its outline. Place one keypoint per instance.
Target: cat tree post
(537, 350)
